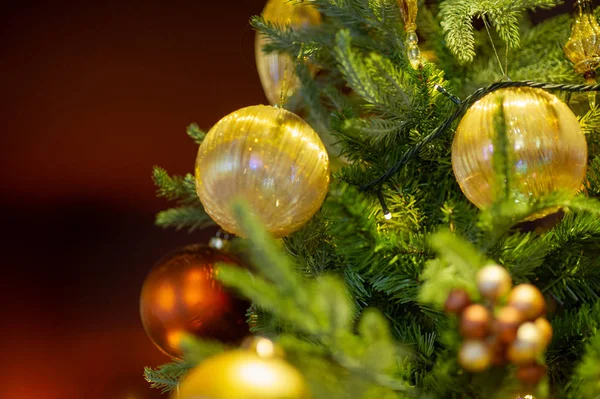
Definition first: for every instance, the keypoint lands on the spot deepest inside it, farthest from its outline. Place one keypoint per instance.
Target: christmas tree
(416, 213)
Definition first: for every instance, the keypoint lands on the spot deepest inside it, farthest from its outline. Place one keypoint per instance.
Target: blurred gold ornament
(547, 150)
(181, 296)
(545, 329)
(493, 282)
(275, 70)
(408, 10)
(254, 373)
(507, 323)
(268, 157)
(583, 47)
(475, 321)
(529, 300)
(475, 356)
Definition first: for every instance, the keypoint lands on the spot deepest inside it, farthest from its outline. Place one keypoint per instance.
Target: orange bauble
(180, 295)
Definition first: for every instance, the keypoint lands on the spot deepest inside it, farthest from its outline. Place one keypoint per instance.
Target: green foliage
(587, 375)
(457, 16)
(318, 309)
(166, 377)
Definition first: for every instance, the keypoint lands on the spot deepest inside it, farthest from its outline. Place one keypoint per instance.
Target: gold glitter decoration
(547, 150)
(408, 10)
(268, 157)
(276, 71)
(583, 47)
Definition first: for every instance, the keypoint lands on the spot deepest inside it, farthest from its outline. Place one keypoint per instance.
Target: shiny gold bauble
(271, 159)
(583, 47)
(507, 323)
(547, 150)
(475, 321)
(244, 374)
(275, 70)
(180, 296)
(493, 282)
(545, 329)
(475, 356)
(529, 300)
(522, 352)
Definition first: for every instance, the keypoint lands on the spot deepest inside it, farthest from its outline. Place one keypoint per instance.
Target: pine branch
(457, 15)
(586, 380)
(166, 377)
(192, 217)
(194, 132)
(175, 188)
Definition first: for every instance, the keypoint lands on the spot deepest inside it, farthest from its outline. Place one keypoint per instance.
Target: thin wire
(284, 92)
(487, 28)
(472, 99)
(506, 66)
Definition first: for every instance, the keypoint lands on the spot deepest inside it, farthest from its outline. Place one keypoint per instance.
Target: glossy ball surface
(493, 282)
(475, 356)
(547, 150)
(529, 300)
(507, 323)
(268, 157)
(180, 295)
(275, 70)
(475, 321)
(243, 374)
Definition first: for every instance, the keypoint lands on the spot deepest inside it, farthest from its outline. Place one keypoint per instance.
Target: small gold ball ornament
(277, 71)
(475, 321)
(547, 150)
(475, 355)
(507, 323)
(529, 300)
(493, 282)
(268, 157)
(255, 373)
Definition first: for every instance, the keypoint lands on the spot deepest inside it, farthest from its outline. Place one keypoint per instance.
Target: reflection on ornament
(408, 10)
(180, 296)
(276, 71)
(271, 159)
(583, 47)
(256, 372)
(547, 150)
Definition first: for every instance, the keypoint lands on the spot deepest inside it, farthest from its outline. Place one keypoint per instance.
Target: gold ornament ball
(277, 71)
(268, 157)
(243, 374)
(475, 356)
(529, 300)
(547, 150)
(545, 329)
(522, 352)
(507, 323)
(493, 282)
(475, 321)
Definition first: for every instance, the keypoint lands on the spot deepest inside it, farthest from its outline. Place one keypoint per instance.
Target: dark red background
(94, 94)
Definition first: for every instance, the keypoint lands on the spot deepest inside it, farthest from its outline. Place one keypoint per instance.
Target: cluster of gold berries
(510, 327)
